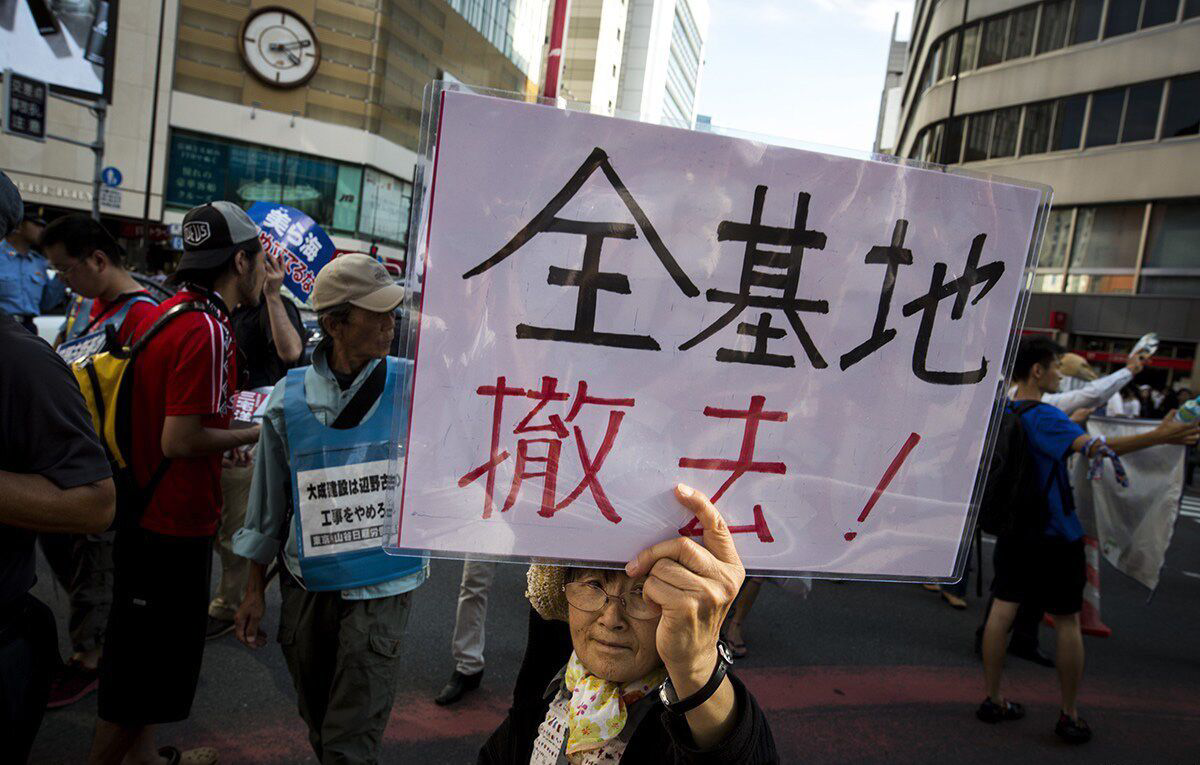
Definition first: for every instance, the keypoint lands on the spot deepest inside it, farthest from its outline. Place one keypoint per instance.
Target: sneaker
(1073, 731)
(71, 683)
(991, 712)
(217, 628)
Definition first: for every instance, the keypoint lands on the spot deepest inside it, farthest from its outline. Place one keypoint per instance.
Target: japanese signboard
(24, 106)
(816, 342)
(301, 245)
(345, 508)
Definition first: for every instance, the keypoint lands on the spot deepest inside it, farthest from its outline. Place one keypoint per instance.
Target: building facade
(664, 60)
(338, 141)
(592, 54)
(1100, 99)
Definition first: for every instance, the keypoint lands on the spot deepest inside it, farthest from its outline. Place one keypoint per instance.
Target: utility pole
(99, 107)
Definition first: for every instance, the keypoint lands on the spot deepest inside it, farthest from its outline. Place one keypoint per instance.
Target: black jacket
(660, 738)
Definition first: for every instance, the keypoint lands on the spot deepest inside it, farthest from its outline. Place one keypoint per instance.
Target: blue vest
(342, 490)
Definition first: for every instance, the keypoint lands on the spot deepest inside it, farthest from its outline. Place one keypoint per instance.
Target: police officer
(23, 280)
(321, 499)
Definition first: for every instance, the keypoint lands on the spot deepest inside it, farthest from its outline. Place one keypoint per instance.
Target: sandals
(1075, 731)
(991, 712)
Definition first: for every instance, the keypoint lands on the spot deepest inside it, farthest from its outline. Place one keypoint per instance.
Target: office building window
(1122, 17)
(1104, 123)
(1191, 9)
(1020, 34)
(1170, 285)
(1004, 132)
(1183, 107)
(1048, 283)
(991, 47)
(1174, 238)
(1054, 244)
(970, 46)
(1068, 122)
(949, 56)
(952, 142)
(1141, 112)
(979, 133)
(1087, 20)
(1107, 237)
(1052, 34)
(1159, 12)
(385, 207)
(1100, 283)
(1035, 136)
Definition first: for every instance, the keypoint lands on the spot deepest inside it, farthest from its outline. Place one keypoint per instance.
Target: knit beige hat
(544, 588)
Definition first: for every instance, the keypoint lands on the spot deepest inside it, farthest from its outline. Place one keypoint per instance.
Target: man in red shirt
(91, 263)
(183, 380)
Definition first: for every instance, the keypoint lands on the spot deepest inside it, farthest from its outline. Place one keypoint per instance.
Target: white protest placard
(610, 308)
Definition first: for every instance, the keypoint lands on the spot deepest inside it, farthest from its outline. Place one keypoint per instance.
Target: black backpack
(1014, 501)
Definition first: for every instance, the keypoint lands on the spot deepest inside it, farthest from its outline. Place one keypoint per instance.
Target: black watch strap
(678, 706)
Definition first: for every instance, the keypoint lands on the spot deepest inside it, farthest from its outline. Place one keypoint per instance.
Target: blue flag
(302, 247)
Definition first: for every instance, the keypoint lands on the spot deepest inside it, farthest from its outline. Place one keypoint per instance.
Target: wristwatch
(678, 706)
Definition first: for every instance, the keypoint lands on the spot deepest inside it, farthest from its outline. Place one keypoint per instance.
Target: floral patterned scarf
(597, 708)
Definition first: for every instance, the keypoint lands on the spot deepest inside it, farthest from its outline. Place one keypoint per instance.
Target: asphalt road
(852, 673)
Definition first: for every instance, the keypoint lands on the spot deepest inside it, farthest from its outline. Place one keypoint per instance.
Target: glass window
(1191, 8)
(1004, 132)
(1159, 12)
(1087, 20)
(991, 47)
(345, 207)
(1174, 240)
(949, 56)
(1020, 34)
(1035, 135)
(1141, 112)
(1170, 285)
(935, 143)
(1048, 283)
(1068, 122)
(310, 185)
(1054, 244)
(1104, 123)
(1122, 17)
(385, 207)
(1107, 236)
(978, 135)
(1100, 283)
(1052, 34)
(970, 45)
(1183, 107)
(952, 142)
(255, 175)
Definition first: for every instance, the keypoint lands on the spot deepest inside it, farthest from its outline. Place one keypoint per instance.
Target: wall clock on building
(279, 47)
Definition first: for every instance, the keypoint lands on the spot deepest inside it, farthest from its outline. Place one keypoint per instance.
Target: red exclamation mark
(888, 475)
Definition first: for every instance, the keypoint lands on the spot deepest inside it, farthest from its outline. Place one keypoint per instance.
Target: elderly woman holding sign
(648, 678)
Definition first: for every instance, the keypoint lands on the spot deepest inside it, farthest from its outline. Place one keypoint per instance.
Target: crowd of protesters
(626, 666)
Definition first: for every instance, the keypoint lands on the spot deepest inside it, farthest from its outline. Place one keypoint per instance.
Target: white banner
(1133, 525)
(613, 307)
(345, 508)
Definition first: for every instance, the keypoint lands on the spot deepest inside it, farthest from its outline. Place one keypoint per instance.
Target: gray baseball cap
(11, 209)
(212, 233)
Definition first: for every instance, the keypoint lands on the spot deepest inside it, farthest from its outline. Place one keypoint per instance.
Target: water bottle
(1190, 411)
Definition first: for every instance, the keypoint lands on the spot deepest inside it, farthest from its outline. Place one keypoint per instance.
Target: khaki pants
(83, 565)
(344, 659)
(235, 493)
(467, 644)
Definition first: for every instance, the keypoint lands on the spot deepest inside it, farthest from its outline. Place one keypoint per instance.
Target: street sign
(111, 176)
(24, 106)
(110, 198)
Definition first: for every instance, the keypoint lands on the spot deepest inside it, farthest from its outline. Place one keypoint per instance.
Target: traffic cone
(1089, 616)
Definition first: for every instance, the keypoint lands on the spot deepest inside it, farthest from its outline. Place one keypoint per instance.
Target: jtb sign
(611, 308)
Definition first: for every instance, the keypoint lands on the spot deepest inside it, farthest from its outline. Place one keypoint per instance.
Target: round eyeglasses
(590, 597)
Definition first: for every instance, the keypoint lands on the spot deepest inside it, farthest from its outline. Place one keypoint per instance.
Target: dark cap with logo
(212, 233)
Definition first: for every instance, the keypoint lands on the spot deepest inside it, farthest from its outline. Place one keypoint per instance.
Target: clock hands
(285, 46)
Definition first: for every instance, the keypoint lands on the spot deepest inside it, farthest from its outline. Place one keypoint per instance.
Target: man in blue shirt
(23, 280)
(1047, 566)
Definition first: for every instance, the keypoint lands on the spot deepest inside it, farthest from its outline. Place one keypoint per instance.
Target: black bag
(1014, 501)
